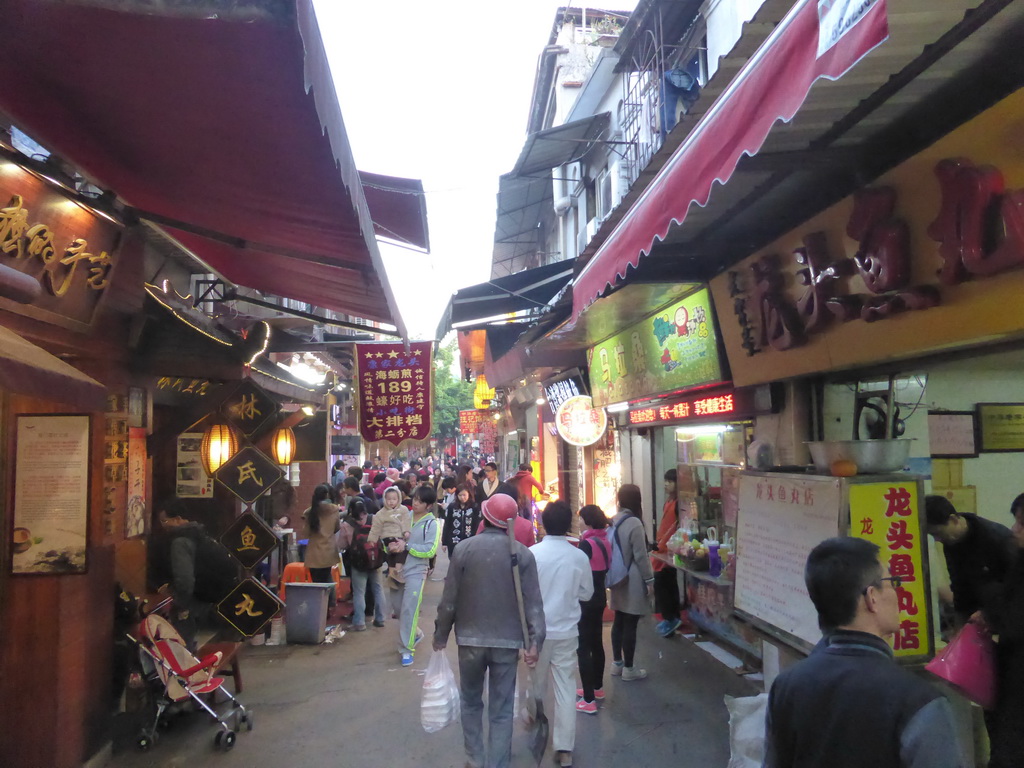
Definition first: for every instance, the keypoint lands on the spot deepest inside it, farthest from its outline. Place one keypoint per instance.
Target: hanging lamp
(482, 394)
(220, 443)
(282, 445)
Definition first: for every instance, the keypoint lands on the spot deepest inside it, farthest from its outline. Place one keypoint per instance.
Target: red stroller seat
(183, 676)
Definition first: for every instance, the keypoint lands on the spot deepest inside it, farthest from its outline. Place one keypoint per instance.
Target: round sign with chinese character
(579, 422)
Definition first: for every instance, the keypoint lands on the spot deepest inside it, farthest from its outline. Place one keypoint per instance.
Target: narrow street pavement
(351, 704)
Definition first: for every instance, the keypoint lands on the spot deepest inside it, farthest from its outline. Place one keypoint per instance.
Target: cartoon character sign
(681, 320)
(673, 349)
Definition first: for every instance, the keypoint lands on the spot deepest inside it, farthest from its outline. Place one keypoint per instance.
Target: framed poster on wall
(952, 435)
(1001, 427)
(51, 495)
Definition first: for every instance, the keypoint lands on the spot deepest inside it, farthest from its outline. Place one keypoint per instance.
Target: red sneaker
(587, 707)
(598, 693)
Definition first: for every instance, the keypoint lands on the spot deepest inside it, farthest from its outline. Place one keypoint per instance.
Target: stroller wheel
(145, 741)
(246, 720)
(228, 741)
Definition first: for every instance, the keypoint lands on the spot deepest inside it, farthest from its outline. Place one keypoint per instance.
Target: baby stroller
(175, 675)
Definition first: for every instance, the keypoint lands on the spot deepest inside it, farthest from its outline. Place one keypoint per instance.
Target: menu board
(952, 434)
(51, 494)
(781, 519)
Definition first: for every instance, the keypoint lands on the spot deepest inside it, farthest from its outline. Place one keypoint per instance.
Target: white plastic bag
(521, 704)
(441, 704)
(746, 730)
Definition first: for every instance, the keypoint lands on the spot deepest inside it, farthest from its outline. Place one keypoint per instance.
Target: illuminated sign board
(579, 423)
(673, 350)
(558, 392)
(716, 405)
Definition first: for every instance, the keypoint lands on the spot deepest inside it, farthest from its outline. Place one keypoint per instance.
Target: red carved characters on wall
(980, 225)
(882, 261)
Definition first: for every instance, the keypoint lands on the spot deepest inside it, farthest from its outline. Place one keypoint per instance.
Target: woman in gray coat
(630, 598)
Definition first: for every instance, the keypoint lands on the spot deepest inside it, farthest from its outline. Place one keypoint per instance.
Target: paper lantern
(282, 445)
(220, 443)
(483, 394)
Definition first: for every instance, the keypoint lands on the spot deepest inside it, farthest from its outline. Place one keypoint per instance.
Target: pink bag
(968, 662)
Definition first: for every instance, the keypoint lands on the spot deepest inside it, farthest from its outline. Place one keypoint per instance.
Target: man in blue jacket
(849, 704)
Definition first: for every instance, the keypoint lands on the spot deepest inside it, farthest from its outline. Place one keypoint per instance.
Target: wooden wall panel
(56, 638)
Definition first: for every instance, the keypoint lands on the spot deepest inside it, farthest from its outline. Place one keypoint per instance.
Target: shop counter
(702, 575)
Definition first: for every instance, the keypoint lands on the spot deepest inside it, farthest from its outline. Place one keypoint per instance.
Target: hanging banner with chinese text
(395, 391)
(469, 422)
(887, 514)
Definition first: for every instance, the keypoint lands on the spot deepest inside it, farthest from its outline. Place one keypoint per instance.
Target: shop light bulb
(617, 407)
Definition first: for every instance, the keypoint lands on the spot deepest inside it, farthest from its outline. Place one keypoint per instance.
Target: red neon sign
(710, 405)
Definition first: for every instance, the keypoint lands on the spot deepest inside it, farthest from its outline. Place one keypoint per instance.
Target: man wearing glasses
(849, 705)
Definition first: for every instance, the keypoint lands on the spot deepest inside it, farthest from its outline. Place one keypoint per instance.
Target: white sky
(441, 92)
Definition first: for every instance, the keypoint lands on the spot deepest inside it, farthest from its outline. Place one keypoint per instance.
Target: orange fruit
(843, 468)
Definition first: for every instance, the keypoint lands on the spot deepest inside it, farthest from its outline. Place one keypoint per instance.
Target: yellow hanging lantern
(483, 394)
(282, 445)
(220, 443)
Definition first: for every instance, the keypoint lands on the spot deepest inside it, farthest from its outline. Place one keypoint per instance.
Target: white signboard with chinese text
(781, 519)
(51, 494)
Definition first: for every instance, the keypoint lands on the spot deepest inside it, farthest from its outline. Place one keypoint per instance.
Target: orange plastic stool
(293, 572)
(342, 588)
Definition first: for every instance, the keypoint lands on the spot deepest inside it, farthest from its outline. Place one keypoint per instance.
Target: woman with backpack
(365, 560)
(629, 596)
(590, 652)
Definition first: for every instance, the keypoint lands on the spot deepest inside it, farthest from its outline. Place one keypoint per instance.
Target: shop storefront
(646, 364)
(70, 416)
(99, 388)
(893, 323)
(705, 438)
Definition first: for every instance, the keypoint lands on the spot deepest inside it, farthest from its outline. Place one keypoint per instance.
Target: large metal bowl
(870, 456)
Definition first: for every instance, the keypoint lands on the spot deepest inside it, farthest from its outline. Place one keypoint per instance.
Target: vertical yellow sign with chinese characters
(887, 514)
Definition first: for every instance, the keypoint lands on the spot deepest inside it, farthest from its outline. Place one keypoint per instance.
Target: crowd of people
(509, 596)
(402, 515)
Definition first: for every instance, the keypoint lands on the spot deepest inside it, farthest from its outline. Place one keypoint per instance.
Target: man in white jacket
(565, 579)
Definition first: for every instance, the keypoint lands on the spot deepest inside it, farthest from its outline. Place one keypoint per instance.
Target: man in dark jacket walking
(849, 705)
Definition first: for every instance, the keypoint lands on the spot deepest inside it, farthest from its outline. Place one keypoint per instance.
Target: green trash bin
(306, 612)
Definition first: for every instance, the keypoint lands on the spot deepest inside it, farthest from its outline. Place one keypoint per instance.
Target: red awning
(227, 123)
(770, 87)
